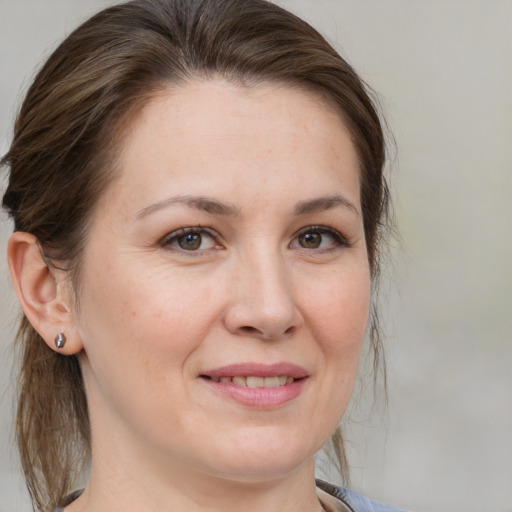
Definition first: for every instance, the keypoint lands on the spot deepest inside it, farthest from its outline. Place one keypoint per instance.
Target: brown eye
(190, 242)
(321, 238)
(310, 240)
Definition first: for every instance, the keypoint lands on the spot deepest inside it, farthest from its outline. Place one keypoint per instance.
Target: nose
(262, 299)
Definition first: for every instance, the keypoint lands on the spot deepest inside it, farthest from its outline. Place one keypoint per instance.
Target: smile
(257, 386)
(252, 381)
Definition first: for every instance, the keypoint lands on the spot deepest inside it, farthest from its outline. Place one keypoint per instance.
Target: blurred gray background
(443, 69)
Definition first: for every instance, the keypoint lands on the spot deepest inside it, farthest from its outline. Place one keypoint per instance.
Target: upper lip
(258, 370)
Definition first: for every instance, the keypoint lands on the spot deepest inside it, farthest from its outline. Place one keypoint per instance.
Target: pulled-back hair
(63, 156)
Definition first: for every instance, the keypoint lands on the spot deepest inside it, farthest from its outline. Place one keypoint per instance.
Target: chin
(263, 456)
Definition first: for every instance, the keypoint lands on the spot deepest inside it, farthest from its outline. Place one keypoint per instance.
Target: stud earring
(60, 340)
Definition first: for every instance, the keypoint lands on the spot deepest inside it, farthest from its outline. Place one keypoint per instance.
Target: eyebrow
(324, 203)
(206, 204)
(215, 207)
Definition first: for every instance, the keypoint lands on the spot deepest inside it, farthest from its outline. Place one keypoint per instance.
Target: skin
(264, 286)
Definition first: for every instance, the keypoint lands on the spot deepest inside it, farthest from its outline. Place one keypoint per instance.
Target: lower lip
(258, 398)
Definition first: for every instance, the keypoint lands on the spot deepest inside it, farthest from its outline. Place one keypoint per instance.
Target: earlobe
(41, 295)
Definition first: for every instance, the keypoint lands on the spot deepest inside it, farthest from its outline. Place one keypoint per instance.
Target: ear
(43, 293)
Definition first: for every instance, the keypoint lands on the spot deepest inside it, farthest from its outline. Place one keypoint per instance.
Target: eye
(190, 240)
(319, 237)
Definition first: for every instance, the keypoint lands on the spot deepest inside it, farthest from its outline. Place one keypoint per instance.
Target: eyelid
(166, 240)
(339, 238)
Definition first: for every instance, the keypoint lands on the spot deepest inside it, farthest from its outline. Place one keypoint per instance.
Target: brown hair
(63, 157)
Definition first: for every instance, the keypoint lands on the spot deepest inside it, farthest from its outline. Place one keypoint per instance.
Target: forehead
(215, 132)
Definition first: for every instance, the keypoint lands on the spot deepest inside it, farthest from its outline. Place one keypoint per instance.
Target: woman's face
(225, 284)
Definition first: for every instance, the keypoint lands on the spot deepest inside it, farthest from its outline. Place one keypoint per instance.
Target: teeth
(239, 381)
(252, 381)
(255, 382)
(271, 382)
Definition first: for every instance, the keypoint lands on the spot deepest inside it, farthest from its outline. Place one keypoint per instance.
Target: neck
(189, 492)
(120, 481)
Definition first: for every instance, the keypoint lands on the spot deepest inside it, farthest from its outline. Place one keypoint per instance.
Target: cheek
(338, 317)
(338, 309)
(140, 335)
(132, 303)
(147, 323)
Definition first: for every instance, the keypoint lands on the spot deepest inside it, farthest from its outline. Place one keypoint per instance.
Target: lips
(258, 370)
(253, 381)
(257, 385)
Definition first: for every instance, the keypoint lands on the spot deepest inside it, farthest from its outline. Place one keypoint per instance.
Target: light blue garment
(355, 501)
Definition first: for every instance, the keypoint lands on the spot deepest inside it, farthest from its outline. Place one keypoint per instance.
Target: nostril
(247, 329)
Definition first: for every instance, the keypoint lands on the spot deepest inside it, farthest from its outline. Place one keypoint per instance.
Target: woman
(198, 199)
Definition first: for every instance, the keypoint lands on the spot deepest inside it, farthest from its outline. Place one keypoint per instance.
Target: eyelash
(168, 241)
(182, 232)
(339, 239)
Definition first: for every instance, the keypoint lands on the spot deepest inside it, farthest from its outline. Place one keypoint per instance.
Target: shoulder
(355, 501)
